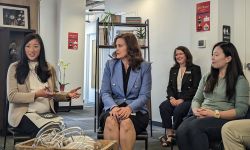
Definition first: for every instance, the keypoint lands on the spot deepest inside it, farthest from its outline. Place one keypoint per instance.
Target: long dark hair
(234, 70)
(187, 53)
(22, 69)
(134, 53)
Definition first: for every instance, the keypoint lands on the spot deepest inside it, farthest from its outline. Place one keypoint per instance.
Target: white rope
(55, 135)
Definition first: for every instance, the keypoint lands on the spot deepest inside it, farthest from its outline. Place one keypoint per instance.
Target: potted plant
(108, 19)
(141, 35)
(62, 66)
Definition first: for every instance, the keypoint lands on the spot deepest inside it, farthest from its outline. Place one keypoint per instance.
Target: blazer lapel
(50, 85)
(132, 78)
(174, 77)
(27, 82)
(119, 76)
(185, 77)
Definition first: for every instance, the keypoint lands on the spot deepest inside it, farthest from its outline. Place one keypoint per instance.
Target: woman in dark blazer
(183, 82)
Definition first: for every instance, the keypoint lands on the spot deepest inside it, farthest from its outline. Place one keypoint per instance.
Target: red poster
(72, 41)
(203, 16)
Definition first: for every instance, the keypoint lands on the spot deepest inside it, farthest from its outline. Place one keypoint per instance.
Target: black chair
(141, 136)
(17, 136)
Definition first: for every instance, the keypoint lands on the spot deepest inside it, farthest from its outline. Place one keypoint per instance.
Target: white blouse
(41, 104)
(179, 79)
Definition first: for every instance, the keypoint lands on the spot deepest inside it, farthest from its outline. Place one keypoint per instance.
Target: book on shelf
(133, 20)
(103, 36)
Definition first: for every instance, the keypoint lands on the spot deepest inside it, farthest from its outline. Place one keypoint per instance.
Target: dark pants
(26, 126)
(178, 113)
(196, 133)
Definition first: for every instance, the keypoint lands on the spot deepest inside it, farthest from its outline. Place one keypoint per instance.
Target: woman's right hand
(114, 112)
(197, 112)
(173, 101)
(45, 92)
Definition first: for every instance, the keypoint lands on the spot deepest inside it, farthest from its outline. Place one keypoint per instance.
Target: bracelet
(216, 114)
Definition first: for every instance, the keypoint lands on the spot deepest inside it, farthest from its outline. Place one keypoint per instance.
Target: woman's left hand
(204, 112)
(124, 112)
(74, 93)
(179, 101)
(176, 102)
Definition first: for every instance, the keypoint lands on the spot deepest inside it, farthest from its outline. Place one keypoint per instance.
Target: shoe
(163, 140)
(171, 140)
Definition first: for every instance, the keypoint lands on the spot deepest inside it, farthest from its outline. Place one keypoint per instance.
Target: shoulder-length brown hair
(185, 50)
(134, 53)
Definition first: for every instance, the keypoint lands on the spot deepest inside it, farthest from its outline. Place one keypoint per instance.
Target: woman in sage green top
(222, 96)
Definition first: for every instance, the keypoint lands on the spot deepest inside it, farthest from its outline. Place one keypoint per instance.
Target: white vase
(141, 42)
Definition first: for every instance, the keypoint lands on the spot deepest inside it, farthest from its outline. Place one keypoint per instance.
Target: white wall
(170, 24)
(226, 17)
(48, 18)
(90, 35)
(242, 32)
(247, 45)
(202, 56)
(57, 19)
(240, 27)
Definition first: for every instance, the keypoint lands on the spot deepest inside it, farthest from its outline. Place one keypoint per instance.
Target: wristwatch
(216, 114)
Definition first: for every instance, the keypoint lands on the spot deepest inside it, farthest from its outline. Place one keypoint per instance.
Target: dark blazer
(190, 82)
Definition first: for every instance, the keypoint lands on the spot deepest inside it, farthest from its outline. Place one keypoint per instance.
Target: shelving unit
(101, 47)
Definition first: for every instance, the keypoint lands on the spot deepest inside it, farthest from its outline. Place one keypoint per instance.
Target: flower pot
(62, 87)
(141, 42)
(116, 18)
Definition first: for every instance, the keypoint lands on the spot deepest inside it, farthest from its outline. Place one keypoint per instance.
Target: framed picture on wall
(14, 16)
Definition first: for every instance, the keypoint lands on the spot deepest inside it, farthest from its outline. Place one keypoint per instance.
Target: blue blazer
(138, 90)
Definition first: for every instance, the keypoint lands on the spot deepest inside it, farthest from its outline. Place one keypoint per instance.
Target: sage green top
(217, 100)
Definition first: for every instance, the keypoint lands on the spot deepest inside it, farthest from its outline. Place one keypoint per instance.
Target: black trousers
(196, 133)
(178, 113)
(26, 126)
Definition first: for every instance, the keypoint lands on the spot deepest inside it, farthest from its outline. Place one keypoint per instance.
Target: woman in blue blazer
(183, 82)
(125, 91)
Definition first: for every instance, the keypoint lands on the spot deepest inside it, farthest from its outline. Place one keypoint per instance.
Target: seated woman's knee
(164, 105)
(126, 125)
(161, 106)
(111, 123)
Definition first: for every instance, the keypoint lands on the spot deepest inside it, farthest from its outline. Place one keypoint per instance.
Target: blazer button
(124, 99)
(189, 87)
(113, 84)
(190, 80)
